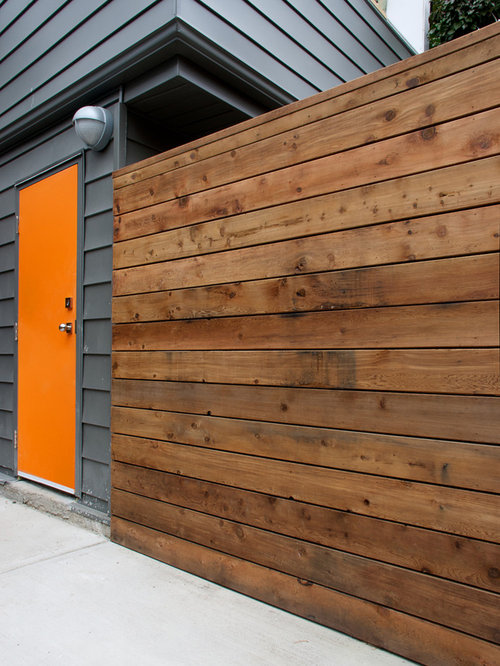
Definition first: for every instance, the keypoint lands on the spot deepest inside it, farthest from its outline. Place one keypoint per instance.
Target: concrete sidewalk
(69, 596)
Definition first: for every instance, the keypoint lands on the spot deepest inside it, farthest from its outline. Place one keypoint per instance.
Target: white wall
(410, 18)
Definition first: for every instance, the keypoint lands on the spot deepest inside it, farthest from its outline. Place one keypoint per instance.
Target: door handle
(66, 328)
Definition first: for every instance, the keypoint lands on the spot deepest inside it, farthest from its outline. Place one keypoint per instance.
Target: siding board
(305, 357)
(96, 407)
(97, 301)
(6, 455)
(97, 336)
(98, 230)
(414, 548)
(96, 443)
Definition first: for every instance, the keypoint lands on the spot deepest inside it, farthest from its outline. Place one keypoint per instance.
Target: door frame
(78, 159)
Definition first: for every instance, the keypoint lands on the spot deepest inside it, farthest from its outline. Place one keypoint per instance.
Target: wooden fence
(305, 402)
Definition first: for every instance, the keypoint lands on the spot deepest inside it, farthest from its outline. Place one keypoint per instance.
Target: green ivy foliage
(454, 18)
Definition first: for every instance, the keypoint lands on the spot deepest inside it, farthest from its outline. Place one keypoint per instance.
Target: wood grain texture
(461, 512)
(459, 464)
(466, 418)
(473, 324)
(442, 281)
(387, 82)
(379, 625)
(458, 371)
(452, 188)
(306, 376)
(446, 602)
(333, 252)
(472, 91)
(443, 235)
(434, 147)
(448, 556)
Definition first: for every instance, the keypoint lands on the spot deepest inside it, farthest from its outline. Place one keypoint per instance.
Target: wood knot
(428, 133)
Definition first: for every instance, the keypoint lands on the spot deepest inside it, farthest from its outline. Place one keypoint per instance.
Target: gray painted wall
(94, 309)
(57, 55)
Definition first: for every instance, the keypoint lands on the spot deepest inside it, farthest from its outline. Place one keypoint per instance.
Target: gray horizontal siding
(319, 47)
(96, 267)
(7, 462)
(373, 18)
(96, 479)
(7, 282)
(98, 230)
(12, 10)
(6, 368)
(97, 301)
(96, 407)
(205, 21)
(96, 372)
(98, 195)
(7, 340)
(6, 424)
(8, 229)
(7, 311)
(98, 263)
(70, 51)
(96, 377)
(6, 396)
(100, 39)
(96, 443)
(337, 33)
(97, 336)
(17, 166)
(40, 29)
(8, 256)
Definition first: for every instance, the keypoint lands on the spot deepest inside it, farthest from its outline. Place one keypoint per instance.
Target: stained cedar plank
(465, 418)
(462, 371)
(459, 464)
(452, 604)
(461, 512)
(450, 188)
(437, 146)
(448, 556)
(392, 630)
(472, 91)
(447, 325)
(386, 82)
(440, 281)
(439, 235)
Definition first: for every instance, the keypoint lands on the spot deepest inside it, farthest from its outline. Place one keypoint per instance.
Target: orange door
(47, 355)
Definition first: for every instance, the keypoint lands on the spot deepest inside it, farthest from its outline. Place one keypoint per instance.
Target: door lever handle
(66, 328)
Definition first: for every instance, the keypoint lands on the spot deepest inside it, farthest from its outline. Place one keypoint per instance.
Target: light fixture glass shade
(94, 126)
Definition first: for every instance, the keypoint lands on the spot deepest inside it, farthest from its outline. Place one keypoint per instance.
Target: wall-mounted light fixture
(94, 126)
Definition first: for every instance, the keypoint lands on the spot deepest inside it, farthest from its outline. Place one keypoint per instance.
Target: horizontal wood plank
(460, 464)
(473, 91)
(437, 146)
(473, 324)
(370, 622)
(466, 513)
(306, 370)
(386, 82)
(443, 235)
(462, 371)
(449, 556)
(452, 188)
(466, 418)
(452, 604)
(440, 281)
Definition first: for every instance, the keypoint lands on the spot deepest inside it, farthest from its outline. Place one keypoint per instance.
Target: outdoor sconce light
(94, 126)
